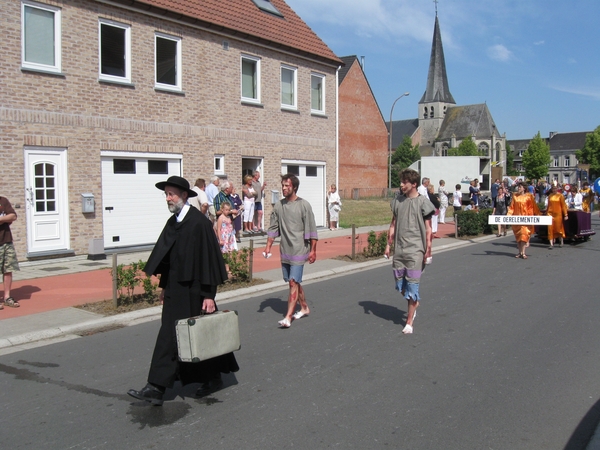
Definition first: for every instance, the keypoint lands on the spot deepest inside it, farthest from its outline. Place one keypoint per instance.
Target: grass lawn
(362, 213)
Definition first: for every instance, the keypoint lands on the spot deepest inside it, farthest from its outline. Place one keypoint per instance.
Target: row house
(564, 167)
(101, 99)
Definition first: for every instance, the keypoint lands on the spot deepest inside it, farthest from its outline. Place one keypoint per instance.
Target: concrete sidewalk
(49, 290)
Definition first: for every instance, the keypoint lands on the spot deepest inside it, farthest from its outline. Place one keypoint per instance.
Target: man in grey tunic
(410, 231)
(293, 219)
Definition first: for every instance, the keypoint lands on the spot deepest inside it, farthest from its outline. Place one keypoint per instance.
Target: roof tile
(245, 17)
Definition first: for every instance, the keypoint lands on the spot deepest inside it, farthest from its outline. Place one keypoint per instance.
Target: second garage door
(312, 185)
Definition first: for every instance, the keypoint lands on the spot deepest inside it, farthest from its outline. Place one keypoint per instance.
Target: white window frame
(322, 77)
(556, 162)
(294, 70)
(567, 161)
(256, 61)
(219, 161)
(57, 67)
(114, 78)
(178, 70)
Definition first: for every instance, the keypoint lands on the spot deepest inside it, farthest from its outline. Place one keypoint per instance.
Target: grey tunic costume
(295, 223)
(410, 235)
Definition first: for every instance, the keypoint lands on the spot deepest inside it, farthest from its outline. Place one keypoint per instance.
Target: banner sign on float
(519, 220)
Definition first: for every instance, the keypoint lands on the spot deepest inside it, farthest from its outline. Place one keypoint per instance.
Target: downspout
(337, 128)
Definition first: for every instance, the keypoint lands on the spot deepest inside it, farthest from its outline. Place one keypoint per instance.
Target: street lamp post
(390, 141)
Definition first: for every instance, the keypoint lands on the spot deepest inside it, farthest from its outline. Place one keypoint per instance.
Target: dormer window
(267, 6)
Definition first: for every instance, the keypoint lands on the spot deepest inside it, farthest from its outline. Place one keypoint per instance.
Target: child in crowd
(471, 206)
(225, 231)
(457, 198)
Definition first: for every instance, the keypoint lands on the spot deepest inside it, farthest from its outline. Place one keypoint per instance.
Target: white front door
(47, 200)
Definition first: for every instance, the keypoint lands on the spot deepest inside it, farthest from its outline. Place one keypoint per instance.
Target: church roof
(437, 79)
(462, 121)
(401, 128)
(247, 20)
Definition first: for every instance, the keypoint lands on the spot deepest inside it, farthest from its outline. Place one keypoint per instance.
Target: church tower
(437, 96)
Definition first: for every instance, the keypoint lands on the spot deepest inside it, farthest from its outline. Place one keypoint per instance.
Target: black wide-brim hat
(178, 182)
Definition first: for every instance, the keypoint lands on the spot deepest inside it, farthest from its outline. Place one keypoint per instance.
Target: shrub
(485, 227)
(129, 277)
(239, 263)
(473, 223)
(375, 244)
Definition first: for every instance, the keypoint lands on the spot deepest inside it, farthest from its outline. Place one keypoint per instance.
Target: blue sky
(536, 63)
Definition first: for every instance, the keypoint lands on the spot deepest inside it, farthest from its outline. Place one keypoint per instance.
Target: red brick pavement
(61, 291)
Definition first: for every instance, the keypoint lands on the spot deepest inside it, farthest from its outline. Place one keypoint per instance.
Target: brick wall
(77, 112)
(363, 137)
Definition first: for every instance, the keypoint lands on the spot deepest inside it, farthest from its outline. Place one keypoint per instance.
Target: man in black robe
(190, 264)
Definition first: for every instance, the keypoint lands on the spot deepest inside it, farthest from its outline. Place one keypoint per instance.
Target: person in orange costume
(557, 208)
(523, 204)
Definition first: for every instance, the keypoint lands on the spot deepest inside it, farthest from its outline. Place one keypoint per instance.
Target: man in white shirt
(200, 202)
(423, 188)
(211, 191)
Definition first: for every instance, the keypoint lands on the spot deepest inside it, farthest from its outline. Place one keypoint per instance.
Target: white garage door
(134, 212)
(312, 185)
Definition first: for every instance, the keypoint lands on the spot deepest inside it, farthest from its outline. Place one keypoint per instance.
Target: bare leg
(302, 301)
(292, 299)
(522, 247)
(259, 216)
(412, 309)
(7, 284)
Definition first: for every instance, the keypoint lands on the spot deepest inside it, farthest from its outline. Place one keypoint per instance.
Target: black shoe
(149, 393)
(209, 387)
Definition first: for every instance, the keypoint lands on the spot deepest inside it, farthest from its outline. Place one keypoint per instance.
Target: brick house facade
(65, 120)
(363, 135)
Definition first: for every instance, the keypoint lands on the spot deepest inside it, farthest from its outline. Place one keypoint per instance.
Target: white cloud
(499, 52)
(593, 92)
(539, 43)
(381, 19)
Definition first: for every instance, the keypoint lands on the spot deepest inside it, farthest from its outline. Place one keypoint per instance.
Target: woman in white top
(334, 203)
(577, 199)
(443, 196)
(249, 197)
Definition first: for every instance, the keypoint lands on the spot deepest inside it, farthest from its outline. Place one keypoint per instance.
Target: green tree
(536, 158)
(510, 162)
(403, 156)
(590, 153)
(466, 148)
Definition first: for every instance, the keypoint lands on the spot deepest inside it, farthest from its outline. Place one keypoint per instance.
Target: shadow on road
(276, 304)
(585, 430)
(386, 312)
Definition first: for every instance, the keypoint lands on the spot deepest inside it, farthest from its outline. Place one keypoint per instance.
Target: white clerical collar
(183, 212)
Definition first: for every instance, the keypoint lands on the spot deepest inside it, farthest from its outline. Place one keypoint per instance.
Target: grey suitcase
(207, 336)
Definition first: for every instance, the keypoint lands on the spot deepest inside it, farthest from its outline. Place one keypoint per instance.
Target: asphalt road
(504, 356)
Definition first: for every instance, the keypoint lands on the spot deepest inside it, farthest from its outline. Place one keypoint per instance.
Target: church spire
(437, 80)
